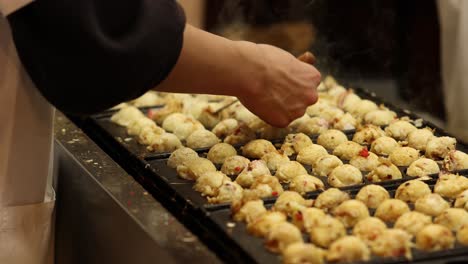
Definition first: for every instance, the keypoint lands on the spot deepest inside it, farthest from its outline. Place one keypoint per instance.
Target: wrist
(251, 69)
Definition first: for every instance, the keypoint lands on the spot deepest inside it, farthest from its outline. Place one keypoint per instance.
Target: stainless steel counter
(105, 216)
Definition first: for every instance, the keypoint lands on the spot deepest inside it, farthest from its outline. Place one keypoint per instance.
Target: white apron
(26, 119)
(453, 16)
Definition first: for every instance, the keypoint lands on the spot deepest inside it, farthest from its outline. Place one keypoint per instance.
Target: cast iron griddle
(212, 223)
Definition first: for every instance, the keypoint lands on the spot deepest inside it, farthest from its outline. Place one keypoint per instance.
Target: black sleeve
(88, 55)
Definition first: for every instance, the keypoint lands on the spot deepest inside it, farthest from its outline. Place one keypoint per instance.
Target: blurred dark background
(389, 46)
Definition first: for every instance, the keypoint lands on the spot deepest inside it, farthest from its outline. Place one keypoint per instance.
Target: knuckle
(311, 98)
(298, 113)
(284, 122)
(318, 76)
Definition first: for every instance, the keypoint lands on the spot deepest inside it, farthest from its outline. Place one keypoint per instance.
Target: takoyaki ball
(431, 204)
(173, 120)
(294, 143)
(313, 126)
(345, 175)
(239, 112)
(171, 106)
(266, 186)
(435, 237)
(393, 243)
(148, 135)
(281, 236)
(456, 160)
(318, 108)
(274, 159)
(241, 135)
(126, 115)
(250, 211)
(290, 202)
(331, 198)
(325, 165)
(185, 129)
(308, 218)
(450, 185)
(413, 222)
(422, 167)
(150, 98)
(331, 114)
(271, 132)
(220, 152)
(385, 171)
(311, 154)
(365, 161)
(193, 106)
(234, 165)
(181, 155)
(404, 156)
(391, 209)
(266, 131)
(193, 168)
(228, 192)
(367, 134)
(305, 183)
(439, 147)
(225, 127)
(333, 88)
(300, 253)
(369, 229)
(297, 122)
(399, 129)
(176, 96)
(372, 195)
(348, 249)
(165, 142)
(251, 172)
(419, 138)
(412, 190)
(462, 235)
(136, 126)
(348, 100)
(208, 116)
(119, 106)
(350, 212)
(288, 170)
(328, 230)
(255, 149)
(209, 183)
(202, 138)
(261, 226)
(462, 200)
(331, 138)
(452, 218)
(365, 106)
(384, 146)
(379, 117)
(347, 150)
(345, 122)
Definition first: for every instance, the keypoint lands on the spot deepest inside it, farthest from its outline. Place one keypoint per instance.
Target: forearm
(211, 64)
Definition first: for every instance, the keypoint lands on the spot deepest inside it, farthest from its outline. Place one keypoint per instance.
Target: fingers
(274, 118)
(307, 57)
(287, 88)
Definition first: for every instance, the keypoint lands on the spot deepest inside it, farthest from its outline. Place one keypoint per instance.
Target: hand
(281, 88)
